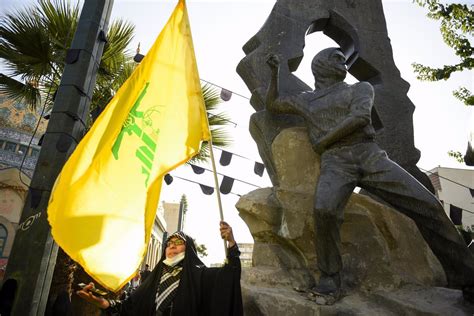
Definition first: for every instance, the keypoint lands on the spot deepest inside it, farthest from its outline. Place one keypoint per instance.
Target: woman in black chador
(181, 285)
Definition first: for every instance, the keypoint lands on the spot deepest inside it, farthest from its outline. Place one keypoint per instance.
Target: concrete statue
(338, 121)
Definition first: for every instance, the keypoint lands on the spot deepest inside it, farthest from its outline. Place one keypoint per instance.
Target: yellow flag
(104, 202)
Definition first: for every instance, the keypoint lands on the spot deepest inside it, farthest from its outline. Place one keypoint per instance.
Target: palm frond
(24, 44)
(108, 85)
(217, 123)
(18, 91)
(60, 19)
(211, 96)
(118, 38)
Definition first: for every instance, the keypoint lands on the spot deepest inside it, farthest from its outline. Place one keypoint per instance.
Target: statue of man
(338, 121)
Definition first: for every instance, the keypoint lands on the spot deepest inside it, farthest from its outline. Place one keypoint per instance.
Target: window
(9, 146)
(29, 120)
(3, 239)
(4, 113)
(34, 152)
(22, 149)
(19, 106)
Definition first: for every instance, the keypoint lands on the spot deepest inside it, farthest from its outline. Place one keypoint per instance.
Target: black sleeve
(233, 257)
(115, 307)
(221, 293)
(119, 307)
(122, 307)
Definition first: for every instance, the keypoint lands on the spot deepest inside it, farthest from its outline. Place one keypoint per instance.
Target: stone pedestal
(388, 267)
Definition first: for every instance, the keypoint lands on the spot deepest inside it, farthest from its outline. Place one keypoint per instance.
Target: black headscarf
(202, 291)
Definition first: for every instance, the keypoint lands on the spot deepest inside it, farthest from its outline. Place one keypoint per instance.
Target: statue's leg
(336, 182)
(389, 181)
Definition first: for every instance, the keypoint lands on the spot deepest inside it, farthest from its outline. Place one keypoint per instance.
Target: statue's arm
(360, 116)
(275, 102)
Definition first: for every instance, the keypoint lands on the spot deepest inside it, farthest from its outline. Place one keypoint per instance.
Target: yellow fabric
(103, 205)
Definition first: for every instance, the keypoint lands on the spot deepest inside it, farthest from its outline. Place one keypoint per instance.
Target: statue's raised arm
(276, 100)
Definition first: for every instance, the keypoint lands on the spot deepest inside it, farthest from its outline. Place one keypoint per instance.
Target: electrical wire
(33, 136)
(254, 185)
(184, 179)
(460, 184)
(216, 85)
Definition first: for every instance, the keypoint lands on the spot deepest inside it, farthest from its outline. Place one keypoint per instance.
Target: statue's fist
(273, 61)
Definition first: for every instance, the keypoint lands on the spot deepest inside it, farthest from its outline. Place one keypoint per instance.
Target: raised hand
(226, 233)
(87, 295)
(274, 61)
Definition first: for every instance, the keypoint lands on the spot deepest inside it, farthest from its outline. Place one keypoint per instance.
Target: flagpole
(216, 183)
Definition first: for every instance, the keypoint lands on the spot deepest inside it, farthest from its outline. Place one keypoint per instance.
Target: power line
(219, 86)
(224, 119)
(216, 85)
(235, 154)
(229, 177)
(465, 210)
(446, 178)
(33, 136)
(188, 180)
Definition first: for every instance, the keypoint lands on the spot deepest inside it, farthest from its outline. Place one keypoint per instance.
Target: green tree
(201, 250)
(33, 45)
(457, 25)
(456, 155)
(184, 202)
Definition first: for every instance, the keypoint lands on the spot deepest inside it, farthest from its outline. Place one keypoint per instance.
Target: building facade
(155, 245)
(455, 189)
(246, 252)
(19, 151)
(171, 215)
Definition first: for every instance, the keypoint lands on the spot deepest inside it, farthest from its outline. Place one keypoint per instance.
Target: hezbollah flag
(104, 202)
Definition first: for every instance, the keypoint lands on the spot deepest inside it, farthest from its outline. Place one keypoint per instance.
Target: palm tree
(33, 46)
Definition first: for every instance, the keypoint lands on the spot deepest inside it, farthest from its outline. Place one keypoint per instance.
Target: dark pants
(367, 166)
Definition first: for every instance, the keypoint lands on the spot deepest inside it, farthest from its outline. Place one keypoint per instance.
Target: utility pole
(33, 256)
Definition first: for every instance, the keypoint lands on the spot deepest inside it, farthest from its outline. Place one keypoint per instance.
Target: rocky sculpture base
(388, 267)
(407, 300)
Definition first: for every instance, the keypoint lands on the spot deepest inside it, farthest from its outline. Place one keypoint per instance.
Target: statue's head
(329, 66)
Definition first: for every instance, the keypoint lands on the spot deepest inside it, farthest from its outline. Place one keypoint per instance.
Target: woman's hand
(226, 233)
(87, 295)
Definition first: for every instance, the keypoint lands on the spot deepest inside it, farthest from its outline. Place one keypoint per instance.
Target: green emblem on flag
(136, 123)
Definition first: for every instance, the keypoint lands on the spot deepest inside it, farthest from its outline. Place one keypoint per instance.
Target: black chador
(187, 289)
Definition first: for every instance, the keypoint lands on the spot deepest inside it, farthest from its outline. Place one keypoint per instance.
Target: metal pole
(216, 184)
(33, 256)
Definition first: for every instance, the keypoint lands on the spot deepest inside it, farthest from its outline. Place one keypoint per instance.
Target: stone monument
(379, 252)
